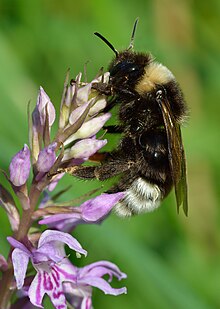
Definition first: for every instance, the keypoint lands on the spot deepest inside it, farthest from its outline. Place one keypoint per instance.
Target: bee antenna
(106, 42)
(131, 45)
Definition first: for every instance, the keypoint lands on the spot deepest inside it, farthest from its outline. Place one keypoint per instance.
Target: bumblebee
(150, 156)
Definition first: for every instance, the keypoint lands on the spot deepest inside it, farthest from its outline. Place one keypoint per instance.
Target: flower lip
(50, 262)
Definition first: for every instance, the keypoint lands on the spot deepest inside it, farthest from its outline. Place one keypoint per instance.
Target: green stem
(26, 221)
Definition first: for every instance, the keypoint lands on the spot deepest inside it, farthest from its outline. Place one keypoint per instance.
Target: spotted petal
(50, 283)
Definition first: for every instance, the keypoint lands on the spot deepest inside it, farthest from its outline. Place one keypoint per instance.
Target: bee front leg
(102, 88)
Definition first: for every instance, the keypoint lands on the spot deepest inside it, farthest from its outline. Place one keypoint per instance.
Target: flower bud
(42, 101)
(74, 116)
(104, 78)
(95, 209)
(20, 167)
(85, 148)
(69, 94)
(89, 128)
(97, 107)
(46, 158)
(83, 94)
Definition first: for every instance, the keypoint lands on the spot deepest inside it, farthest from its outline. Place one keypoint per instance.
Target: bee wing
(176, 154)
(181, 186)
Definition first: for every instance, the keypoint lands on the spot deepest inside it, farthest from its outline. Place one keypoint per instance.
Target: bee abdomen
(141, 197)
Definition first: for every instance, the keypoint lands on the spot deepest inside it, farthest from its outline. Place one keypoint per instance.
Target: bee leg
(84, 172)
(101, 172)
(112, 168)
(102, 88)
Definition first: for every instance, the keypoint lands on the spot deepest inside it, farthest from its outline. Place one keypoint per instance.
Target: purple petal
(97, 107)
(72, 288)
(57, 218)
(86, 148)
(86, 303)
(101, 268)
(36, 291)
(42, 101)
(91, 275)
(20, 262)
(90, 127)
(51, 283)
(57, 298)
(104, 78)
(54, 182)
(74, 116)
(102, 285)
(78, 297)
(59, 238)
(63, 222)
(46, 158)
(20, 167)
(17, 244)
(83, 94)
(96, 208)
(36, 123)
(91, 211)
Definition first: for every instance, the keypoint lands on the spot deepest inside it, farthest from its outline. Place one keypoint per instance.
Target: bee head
(127, 67)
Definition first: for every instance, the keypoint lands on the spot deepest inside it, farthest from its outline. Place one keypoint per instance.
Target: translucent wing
(175, 152)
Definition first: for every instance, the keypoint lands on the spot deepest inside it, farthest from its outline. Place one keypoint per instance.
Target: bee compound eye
(123, 68)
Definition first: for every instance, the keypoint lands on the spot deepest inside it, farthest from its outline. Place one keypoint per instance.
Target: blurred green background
(171, 261)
